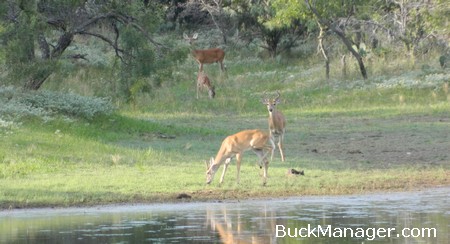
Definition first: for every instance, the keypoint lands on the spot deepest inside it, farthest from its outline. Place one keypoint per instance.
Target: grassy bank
(354, 136)
(107, 161)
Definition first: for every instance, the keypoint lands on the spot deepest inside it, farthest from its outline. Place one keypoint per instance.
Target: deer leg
(225, 166)
(238, 166)
(270, 148)
(266, 167)
(280, 147)
(222, 68)
(273, 147)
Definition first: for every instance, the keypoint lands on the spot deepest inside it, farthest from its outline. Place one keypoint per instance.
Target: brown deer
(206, 56)
(277, 123)
(203, 81)
(258, 141)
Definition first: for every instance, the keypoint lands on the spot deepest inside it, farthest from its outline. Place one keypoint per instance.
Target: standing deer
(235, 145)
(206, 56)
(203, 81)
(277, 123)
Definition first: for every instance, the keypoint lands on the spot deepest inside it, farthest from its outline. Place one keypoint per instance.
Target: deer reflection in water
(233, 227)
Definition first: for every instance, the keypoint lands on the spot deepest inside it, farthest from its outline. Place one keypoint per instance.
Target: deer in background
(277, 123)
(206, 56)
(235, 145)
(203, 81)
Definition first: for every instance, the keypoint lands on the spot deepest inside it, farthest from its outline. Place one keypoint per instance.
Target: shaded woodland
(139, 42)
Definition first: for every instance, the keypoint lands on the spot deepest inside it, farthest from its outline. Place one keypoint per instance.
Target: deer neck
(193, 48)
(220, 157)
(272, 115)
(274, 120)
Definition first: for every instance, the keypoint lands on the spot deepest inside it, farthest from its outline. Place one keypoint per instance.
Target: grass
(349, 137)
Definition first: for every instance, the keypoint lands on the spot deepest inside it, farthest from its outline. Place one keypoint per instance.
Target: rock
(183, 196)
(295, 172)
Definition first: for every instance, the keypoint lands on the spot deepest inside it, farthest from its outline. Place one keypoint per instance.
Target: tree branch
(127, 20)
(44, 46)
(105, 39)
(120, 18)
(78, 56)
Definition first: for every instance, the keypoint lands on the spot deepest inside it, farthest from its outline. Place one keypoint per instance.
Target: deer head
(271, 103)
(192, 39)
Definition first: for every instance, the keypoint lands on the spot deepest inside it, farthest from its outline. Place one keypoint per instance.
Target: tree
(38, 32)
(329, 15)
(254, 20)
(218, 16)
(412, 21)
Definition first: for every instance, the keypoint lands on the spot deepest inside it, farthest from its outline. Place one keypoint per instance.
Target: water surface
(422, 216)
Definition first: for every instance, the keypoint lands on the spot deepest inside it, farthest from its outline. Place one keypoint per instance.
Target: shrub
(16, 104)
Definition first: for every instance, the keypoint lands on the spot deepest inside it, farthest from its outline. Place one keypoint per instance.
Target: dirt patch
(380, 143)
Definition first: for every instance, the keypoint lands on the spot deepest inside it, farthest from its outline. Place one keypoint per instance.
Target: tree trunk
(217, 22)
(272, 39)
(349, 46)
(43, 45)
(64, 41)
(340, 33)
(40, 75)
(34, 83)
(410, 50)
(344, 67)
(323, 50)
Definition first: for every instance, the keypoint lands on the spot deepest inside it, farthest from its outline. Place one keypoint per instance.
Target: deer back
(207, 56)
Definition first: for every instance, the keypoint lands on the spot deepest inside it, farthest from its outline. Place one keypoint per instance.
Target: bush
(16, 104)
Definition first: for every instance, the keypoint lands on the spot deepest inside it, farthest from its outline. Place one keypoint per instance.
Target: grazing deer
(277, 123)
(203, 81)
(206, 56)
(235, 145)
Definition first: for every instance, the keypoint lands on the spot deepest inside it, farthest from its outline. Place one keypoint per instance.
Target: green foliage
(254, 22)
(38, 35)
(17, 39)
(16, 104)
(286, 10)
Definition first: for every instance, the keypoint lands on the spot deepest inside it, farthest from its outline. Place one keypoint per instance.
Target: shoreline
(182, 202)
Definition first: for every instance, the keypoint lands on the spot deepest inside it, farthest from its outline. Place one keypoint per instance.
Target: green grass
(155, 149)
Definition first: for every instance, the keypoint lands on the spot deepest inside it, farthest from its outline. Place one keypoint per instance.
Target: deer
(206, 56)
(203, 81)
(277, 123)
(235, 145)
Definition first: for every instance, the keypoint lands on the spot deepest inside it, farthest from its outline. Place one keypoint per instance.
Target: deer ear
(195, 36)
(185, 36)
(277, 100)
(206, 164)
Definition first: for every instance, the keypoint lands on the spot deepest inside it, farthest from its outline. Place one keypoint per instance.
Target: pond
(404, 217)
